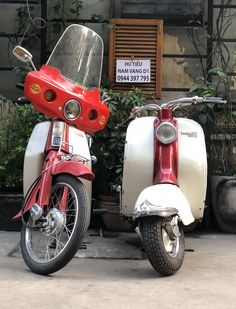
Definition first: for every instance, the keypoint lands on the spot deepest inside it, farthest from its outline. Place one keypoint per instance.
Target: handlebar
(173, 105)
(192, 101)
(20, 86)
(23, 99)
(137, 110)
(181, 102)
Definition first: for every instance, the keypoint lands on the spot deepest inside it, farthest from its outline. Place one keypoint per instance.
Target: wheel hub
(171, 235)
(55, 222)
(172, 228)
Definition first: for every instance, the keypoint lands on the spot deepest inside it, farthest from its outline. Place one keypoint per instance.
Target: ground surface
(113, 273)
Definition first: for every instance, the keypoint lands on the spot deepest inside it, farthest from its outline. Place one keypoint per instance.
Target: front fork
(41, 193)
(171, 227)
(59, 160)
(39, 196)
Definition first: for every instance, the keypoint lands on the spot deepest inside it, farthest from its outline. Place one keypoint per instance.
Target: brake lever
(20, 86)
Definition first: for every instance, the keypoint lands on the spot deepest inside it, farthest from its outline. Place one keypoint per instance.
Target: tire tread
(151, 229)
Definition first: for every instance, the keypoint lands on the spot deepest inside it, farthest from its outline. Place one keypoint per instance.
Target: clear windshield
(78, 55)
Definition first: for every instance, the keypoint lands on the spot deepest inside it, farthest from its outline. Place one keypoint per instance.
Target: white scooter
(164, 179)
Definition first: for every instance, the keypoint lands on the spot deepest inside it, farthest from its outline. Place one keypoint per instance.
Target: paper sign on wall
(133, 71)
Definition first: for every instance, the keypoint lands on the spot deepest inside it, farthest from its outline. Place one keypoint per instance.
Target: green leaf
(194, 88)
(72, 11)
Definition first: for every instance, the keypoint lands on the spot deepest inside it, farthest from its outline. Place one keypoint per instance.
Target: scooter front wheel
(50, 246)
(164, 249)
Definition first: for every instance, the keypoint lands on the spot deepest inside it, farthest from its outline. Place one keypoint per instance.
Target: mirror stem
(33, 66)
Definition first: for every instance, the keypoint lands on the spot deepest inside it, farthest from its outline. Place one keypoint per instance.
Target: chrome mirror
(23, 55)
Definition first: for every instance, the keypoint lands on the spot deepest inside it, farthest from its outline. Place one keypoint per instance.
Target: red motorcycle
(57, 165)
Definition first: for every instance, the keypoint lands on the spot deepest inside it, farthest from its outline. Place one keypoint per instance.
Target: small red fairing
(49, 91)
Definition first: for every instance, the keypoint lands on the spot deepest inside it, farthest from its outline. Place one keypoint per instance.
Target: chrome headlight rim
(168, 137)
(68, 105)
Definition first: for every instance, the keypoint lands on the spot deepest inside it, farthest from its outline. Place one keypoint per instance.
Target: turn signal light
(50, 95)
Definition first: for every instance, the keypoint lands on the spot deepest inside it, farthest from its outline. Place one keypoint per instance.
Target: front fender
(74, 168)
(163, 200)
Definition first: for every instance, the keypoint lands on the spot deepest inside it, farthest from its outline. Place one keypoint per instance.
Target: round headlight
(166, 133)
(72, 109)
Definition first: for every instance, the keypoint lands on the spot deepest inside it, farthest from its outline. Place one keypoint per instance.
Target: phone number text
(133, 78)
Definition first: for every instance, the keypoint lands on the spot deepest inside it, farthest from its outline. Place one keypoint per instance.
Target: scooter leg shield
(163, 200)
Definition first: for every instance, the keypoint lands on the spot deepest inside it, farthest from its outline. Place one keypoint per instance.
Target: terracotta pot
(112, 219)
(223, 189)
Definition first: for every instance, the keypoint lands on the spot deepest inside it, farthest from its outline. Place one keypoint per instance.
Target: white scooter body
(35, 155)
(140, 197)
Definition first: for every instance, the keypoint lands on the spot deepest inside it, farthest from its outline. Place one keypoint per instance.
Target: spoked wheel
(53, 243)
(163, 241)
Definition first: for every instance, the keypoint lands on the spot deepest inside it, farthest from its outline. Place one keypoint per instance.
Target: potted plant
(219, 124)
(108, 147)
(16, 124)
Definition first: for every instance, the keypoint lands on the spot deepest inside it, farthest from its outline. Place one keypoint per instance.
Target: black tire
(164, 262)
(46, 252)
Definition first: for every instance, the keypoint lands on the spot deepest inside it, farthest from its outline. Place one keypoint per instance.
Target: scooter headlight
(166, 133)
(72, 109)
